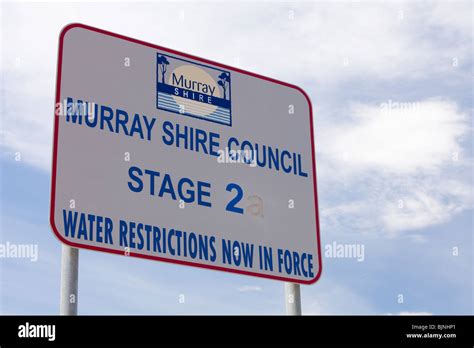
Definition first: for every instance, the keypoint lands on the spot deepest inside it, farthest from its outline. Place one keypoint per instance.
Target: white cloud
(456, 15)
(404, 165)
(396, 137)
(424, 207)
(395, 208)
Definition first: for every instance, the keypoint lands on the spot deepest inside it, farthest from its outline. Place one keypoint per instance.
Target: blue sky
(397, 180)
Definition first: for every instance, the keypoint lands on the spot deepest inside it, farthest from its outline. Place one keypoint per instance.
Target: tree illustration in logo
(163, 62)
(224, 82)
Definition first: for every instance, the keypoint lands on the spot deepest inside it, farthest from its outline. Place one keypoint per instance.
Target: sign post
(69, 280)
(165, 156)
(292, 299)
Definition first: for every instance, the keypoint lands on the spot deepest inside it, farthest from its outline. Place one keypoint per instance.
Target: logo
(193, 89)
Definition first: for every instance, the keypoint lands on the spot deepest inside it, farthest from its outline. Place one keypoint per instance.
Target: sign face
(166, 156)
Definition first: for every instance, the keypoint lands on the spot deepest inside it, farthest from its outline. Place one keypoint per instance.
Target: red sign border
(133, 254)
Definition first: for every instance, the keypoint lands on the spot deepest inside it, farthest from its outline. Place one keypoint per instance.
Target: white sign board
(170, 157)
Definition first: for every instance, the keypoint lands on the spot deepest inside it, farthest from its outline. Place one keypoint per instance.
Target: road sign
(166, 156)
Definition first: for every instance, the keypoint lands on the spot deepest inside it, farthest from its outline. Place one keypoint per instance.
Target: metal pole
(69, 280)
(292, 299)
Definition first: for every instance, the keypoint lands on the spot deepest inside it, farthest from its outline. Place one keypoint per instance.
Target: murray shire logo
(193, 89)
